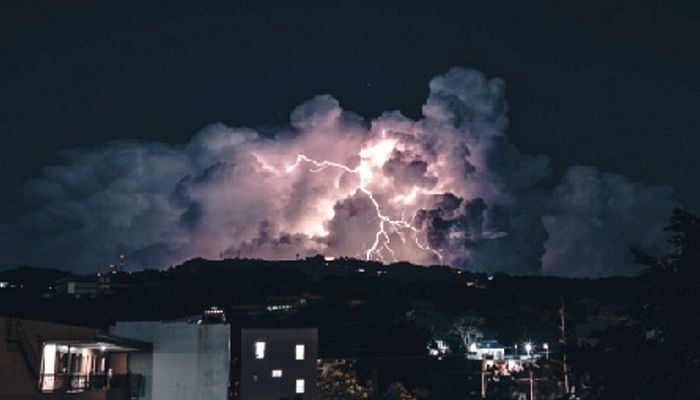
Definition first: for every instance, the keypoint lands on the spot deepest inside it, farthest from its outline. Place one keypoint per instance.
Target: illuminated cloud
(446, 188)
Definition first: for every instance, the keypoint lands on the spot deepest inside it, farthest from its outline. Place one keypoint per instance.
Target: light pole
(528, 348)
(546, 350)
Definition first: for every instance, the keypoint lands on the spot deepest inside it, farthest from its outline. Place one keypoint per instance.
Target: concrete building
(192, 360)
(278, 363)
(189, 360)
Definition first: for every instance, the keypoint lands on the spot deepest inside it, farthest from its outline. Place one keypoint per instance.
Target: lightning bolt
(363, 170)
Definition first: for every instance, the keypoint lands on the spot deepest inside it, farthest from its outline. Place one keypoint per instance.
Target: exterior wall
(188, 362)
(496, 354)
(256, 380)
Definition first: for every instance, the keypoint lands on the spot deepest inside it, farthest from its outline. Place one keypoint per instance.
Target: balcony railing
(80, 382)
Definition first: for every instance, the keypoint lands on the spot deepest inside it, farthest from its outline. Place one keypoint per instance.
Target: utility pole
(532, 384)
(562, 326)
(483, 378)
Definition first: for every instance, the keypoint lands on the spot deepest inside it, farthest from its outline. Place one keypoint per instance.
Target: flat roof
(104, 342)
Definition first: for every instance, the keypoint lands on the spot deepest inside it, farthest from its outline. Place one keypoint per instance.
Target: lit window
(259, 350)
(300, 386)
(299, 351)
(276, 373)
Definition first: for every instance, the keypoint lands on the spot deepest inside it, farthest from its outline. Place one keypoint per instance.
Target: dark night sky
(612, 84)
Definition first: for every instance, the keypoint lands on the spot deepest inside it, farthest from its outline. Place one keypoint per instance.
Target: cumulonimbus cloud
(446, 188)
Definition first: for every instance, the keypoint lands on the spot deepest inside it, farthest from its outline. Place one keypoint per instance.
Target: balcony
(73, 383)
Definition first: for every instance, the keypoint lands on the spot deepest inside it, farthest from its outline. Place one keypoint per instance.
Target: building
(197, 358)
(188, 360)
(193, 359)
(78, 286)
(278, 363)
(487, 350)
(44, 360)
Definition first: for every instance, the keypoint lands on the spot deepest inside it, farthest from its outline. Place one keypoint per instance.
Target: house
(44, 360)
(486, 350)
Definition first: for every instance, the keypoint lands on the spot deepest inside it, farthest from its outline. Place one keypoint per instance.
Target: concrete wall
(256, 380)
(188, 361)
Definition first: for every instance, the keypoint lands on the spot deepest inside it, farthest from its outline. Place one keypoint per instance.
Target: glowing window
(299, 352)
(300, 386)
(276, 373)
(259, 350)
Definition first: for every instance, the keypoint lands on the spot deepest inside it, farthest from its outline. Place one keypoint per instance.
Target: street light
(545, 346)
(528, 348)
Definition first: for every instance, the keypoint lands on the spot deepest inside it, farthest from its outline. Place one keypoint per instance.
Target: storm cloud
(448, 188)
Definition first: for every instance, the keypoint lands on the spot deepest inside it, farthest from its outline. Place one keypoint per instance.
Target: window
(299, 352)
(276, 373)
(259, 350)
(300, 386)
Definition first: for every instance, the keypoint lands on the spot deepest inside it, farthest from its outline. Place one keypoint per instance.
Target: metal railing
(69, 382)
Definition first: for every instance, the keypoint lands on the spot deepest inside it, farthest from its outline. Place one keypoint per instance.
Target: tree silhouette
(657, 356)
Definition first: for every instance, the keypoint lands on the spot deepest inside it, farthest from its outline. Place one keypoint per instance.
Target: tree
(344, 385)
(468, 328)
(658, 355)
(457, 331)
(397, 391)
(672, 314)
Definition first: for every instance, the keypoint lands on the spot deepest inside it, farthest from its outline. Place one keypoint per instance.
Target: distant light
(279, 307)
(276, 373)
(472, 347)
(545, 346)
(103, 348)
(328, 258)
(360, 270)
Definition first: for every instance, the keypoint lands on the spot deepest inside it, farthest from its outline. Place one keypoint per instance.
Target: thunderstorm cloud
(448, 188)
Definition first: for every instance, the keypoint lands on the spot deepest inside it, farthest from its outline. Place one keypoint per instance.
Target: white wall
(188, 362)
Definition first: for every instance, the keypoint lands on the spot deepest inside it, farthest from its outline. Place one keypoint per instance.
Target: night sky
(611, 84)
